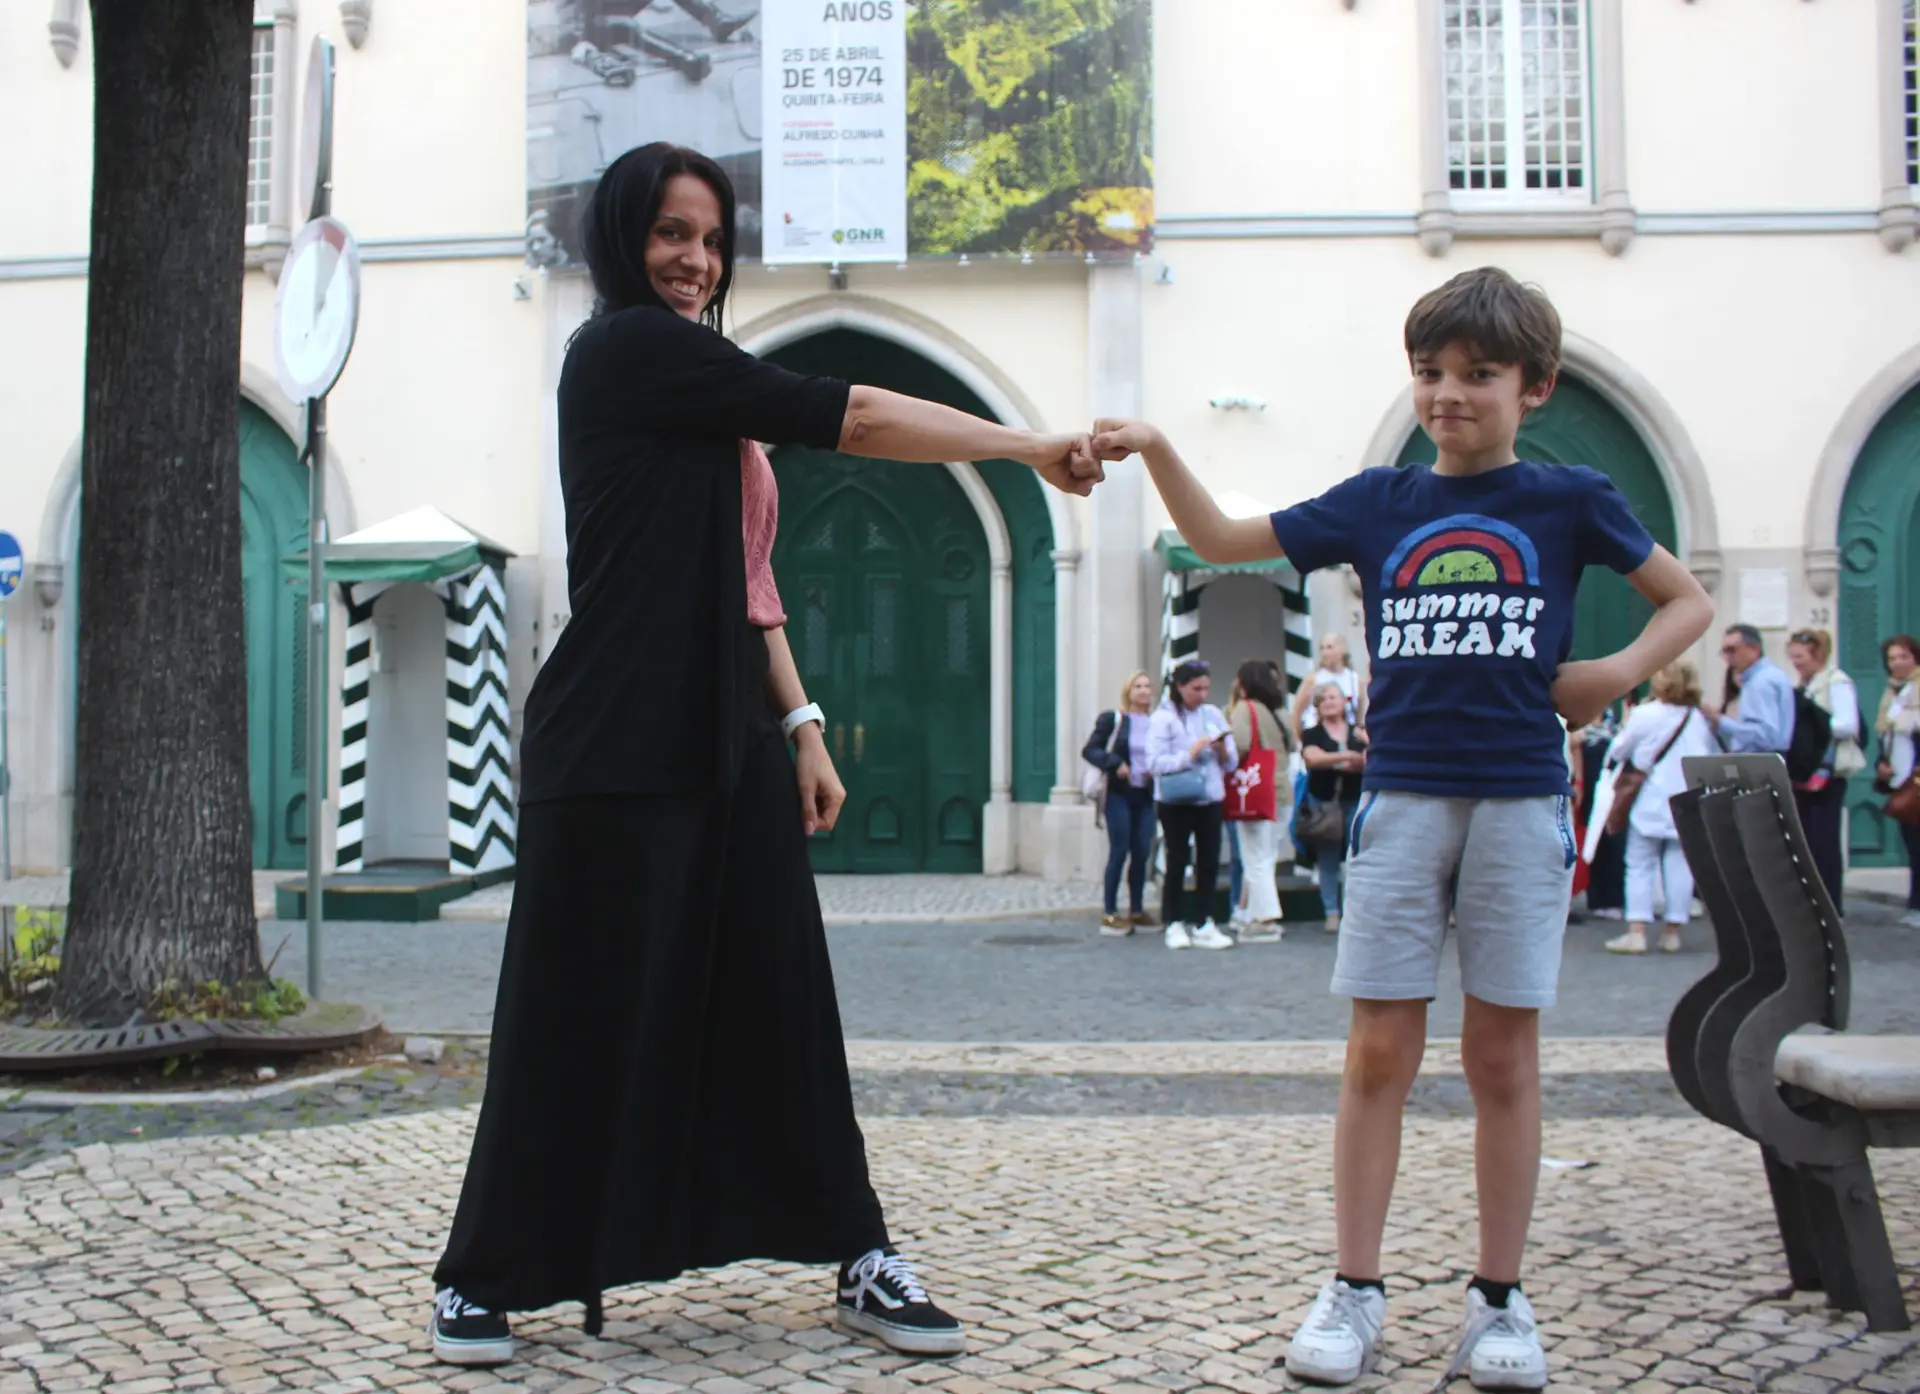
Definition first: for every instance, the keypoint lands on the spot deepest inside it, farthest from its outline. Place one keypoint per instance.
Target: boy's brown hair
(1502, 320)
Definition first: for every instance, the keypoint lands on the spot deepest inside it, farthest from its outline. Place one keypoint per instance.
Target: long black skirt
(668, 1086)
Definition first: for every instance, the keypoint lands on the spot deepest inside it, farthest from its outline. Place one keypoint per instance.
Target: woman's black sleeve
(1097, 752)
(686, 379)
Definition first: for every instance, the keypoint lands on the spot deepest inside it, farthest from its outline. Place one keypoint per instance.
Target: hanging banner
(834, 164)
(1027, 123)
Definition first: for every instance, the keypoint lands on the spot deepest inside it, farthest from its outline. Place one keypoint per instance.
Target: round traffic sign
(13, 563)
(316, 309)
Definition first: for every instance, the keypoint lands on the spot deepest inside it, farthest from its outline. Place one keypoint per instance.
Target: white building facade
(1719, 198)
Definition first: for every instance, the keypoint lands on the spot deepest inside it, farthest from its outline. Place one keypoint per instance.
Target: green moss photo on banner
(1029, 126)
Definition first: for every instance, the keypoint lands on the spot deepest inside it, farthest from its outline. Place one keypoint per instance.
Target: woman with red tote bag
(1254, 801)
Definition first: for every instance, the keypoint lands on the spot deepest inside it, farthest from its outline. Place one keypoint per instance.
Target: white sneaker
(1340, 1339)
(1499, 1349)
(1208, 936)
(1911, 920)
(1261, 932)
(1176, 936)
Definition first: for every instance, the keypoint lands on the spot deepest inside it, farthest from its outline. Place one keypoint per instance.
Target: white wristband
(799, 717)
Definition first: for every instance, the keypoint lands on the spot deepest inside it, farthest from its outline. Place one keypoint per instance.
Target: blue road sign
(13, 563)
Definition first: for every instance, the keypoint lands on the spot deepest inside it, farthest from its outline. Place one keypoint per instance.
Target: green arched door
(273, 523)
(884, 573)
(1578, 426)
(1879, 591)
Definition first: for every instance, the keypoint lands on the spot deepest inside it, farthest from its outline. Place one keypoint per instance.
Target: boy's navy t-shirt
(1469, 584)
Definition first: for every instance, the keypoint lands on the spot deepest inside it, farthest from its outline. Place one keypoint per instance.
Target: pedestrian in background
(1191, 751)
(1764, 695)
(1658, 736)
(1334, 668)
(1255, 722)
(1335, 754)
(1822, 798)
(1896, 724)
(1119, 747)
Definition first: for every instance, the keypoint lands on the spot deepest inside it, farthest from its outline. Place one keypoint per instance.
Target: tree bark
(162, 844)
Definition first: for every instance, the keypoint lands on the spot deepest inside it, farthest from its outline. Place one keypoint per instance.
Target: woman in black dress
(668, 1083)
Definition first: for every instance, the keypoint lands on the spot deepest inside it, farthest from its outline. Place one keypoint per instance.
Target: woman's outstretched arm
(885, 425)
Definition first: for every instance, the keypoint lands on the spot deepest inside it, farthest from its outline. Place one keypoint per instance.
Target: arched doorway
(888, 577)
(273, 523)
(1879, 589)
(1578, 426)
(884, 573)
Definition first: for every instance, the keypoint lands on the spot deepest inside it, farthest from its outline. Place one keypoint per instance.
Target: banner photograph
(857, 130)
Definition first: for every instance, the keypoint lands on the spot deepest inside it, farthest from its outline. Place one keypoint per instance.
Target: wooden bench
(1814, 1103)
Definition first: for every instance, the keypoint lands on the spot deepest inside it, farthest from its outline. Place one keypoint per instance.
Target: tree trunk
(162, 841)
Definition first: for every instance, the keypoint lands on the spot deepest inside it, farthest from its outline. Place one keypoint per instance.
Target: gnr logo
(860, 236)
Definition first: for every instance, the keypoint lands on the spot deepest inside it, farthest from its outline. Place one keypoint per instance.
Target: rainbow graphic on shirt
(1465, 549)
(1455, 589)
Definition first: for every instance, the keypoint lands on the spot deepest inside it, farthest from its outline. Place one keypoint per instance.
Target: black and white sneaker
(879, 1296)
(467, 1334)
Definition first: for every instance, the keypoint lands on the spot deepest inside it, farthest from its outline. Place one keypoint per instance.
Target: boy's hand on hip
(1583, 691)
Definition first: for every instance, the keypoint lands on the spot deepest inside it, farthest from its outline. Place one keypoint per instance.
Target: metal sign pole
(318, 704)
(6, 766)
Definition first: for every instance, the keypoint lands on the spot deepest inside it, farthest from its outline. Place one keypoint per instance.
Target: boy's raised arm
(1212, 534)
(1682, 612)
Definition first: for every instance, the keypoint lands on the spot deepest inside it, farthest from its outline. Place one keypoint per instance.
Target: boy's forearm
(1192, 508)
(1676, 626)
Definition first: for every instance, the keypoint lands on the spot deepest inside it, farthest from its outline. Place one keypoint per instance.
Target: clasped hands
(1074, 464)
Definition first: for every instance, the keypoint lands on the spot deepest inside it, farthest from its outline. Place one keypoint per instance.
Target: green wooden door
(273, 522)
(884, 574)
(1578, 426)
(1879, 592)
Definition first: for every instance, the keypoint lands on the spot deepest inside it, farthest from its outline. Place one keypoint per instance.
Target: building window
(260, 130)
(1517, 99)
(1910, 90)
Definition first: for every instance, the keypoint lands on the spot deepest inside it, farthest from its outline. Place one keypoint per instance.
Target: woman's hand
(821, 792)
(1200, 743)
(1123, 772)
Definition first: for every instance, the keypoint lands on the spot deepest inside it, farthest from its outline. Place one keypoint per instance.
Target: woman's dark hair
(1182, 675)
(1905, 641)
(1258, 680)
(619, 218)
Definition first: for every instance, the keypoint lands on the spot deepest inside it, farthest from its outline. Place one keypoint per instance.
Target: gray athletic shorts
(1504, 867)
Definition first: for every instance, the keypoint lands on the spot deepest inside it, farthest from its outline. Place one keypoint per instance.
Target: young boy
(1469, 568)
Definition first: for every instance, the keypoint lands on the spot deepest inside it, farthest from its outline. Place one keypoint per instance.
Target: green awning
(1178, 556)
(423, 545)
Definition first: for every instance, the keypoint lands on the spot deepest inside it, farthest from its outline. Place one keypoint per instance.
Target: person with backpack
(1822, 796)
(1767, 698)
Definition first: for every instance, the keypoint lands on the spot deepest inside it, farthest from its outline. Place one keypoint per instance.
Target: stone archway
(1878, 570)
(273, 499)
(1654, 421)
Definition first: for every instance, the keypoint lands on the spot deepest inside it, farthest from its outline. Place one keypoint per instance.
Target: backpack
(1812, 734)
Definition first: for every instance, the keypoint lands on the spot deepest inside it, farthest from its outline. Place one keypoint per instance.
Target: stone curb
(33, 1100)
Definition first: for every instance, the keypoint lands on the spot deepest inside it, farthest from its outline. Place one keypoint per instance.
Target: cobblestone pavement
(1596, 1079)
(1109, 1254)
(1058, 980)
